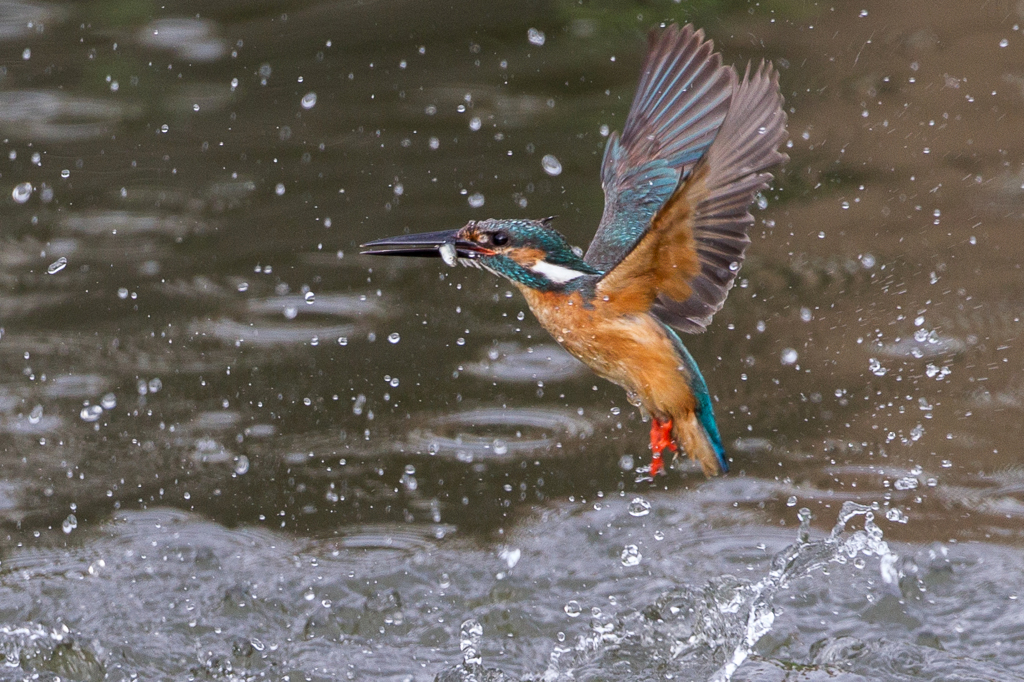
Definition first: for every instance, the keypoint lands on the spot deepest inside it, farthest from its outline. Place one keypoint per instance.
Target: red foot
(661, 438)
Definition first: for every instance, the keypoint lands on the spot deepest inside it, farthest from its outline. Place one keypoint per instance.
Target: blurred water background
(233, 449)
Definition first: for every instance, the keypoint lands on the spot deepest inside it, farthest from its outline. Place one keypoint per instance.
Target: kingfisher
(695, 150)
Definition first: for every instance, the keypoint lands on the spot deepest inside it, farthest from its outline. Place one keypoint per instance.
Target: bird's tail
(697, 431)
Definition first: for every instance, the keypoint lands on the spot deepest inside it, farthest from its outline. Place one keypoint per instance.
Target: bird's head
(528, 253)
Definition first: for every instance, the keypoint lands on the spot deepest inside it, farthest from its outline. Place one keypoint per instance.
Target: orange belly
(633, 351)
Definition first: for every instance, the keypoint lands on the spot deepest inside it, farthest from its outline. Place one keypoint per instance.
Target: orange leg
(661, 438)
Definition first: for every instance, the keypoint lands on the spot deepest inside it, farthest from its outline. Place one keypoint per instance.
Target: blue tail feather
(705, 413)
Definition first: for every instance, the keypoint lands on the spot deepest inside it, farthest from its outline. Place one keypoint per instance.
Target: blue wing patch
(680, 104)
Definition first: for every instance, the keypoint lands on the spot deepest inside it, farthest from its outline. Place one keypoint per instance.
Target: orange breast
(632, 350)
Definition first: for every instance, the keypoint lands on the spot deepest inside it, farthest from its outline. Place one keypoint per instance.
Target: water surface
(232, 448)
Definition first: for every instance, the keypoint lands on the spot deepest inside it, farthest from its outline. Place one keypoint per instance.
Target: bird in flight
(678, 183)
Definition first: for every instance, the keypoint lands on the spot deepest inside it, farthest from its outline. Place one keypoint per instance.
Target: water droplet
(308, 100)
(499, 447)
(639, 507)
(470, 634)
(863, 13)
(108, 401)
(631, 555)
(241, 465)
(69, 524)
(762, 201)
(536, 37)
(21, 192)
(789, 356)
(551, 165)
(309, 297)
(342, 340)
(91, 413)
(434, 143)
(896, 515)
(906, 483)
(409, 482)
(791, 502)
(511, 556)
(57, 265)
(573, 609)
(1004, 42)
(36, 415)
(626, 462)
(474, 123)
(659, 535)
(876, 367)
(279, 189)
(394, 337)
(476, 200)
(867, 261)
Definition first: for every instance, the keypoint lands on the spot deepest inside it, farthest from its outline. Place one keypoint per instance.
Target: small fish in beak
(448, 254)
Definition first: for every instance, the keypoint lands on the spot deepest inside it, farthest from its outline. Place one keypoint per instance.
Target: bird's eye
(499, 239)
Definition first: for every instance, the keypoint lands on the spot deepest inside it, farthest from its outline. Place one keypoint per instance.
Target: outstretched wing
(680, 104)
(686, 260)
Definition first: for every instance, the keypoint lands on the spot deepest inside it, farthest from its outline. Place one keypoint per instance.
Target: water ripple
(20, 19)
(267, 334)
(192, 39)
(54, 116)
(499, 433)
(510, 362)
(400, 539)
(111, 222)
(339, 305)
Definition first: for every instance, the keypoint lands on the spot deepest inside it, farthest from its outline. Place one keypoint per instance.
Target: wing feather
(680, 104)
(686, 260)
(745, 148)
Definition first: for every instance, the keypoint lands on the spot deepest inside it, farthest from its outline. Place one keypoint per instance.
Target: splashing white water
(710, 631)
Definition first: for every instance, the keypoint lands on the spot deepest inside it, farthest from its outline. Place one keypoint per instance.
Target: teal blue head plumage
(526, 252)
(695, 149)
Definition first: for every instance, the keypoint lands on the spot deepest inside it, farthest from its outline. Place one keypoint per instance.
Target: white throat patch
(559, 274)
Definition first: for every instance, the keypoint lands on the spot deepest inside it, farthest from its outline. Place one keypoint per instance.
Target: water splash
(471, 634)
(709, 631)
(802, 559)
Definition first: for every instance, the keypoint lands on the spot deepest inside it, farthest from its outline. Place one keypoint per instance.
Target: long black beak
(424, 244)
